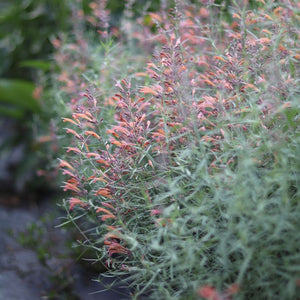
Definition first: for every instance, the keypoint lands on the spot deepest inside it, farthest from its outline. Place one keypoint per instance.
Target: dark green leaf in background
(16, 98)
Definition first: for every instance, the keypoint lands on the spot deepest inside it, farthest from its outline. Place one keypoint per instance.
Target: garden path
(24, 276)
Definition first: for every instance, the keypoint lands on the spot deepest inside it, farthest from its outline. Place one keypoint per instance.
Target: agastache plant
(192, 188)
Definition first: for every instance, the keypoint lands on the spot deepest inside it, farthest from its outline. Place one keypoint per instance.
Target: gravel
(24, 276)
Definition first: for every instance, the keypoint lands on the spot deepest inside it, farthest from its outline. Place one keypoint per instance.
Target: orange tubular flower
(101, 209)
(92, 154)
(74, 150)
(67, 172)
(155, 212)
(119, 129)
(104, 192)
(115, 142)
(117, 248)
(209, 292)
(70, 121)
(93, 134)
(111, 235)
(112, 132)
(102, 161)
(108, 205)
(63, 164)
(159, 133)
(108, 214)
(84, 116)
(148, 90)
(75, 201)
(73, 132)
(105, 217)
(71, 187)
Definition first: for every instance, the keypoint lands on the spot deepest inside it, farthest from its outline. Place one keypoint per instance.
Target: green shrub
(192, 190)
(25, 33)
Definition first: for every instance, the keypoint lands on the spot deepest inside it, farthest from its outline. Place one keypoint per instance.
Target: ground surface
(25, 276)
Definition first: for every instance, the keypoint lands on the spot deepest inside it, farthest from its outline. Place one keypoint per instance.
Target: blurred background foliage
(28, 99)
(26, 28)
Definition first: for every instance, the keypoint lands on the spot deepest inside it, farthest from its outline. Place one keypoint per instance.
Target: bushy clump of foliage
(191, 188)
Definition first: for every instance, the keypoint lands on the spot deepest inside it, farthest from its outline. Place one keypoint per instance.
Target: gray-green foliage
(239, 224)
(222, 206)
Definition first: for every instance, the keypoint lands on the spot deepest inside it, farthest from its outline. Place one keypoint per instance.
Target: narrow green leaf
(37, 64)
(18, 93)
